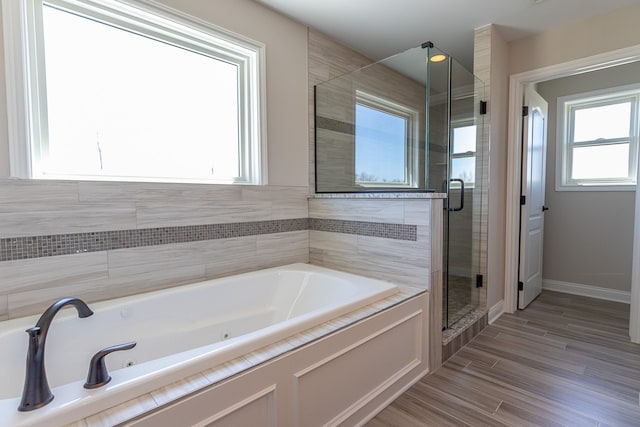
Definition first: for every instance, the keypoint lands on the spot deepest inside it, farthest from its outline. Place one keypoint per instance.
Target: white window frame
(565, 107)
(26, 84)
(413, 122)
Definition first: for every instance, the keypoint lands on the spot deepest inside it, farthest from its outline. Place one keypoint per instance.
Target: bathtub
(179, 332)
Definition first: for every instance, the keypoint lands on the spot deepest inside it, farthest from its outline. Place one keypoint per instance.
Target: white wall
(599, 34)
(588, 235)
(582, 39)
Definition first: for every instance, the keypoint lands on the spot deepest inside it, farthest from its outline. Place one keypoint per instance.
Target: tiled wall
(413, 256)
(100, 240)
(482, 70)
(405, 259)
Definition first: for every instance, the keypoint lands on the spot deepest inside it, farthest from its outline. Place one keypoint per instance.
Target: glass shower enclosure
(412, 123)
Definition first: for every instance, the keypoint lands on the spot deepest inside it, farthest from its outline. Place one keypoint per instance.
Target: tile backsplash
(57, 238)
(102, 240)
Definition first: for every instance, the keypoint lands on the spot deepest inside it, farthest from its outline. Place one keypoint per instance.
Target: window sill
(578, 188)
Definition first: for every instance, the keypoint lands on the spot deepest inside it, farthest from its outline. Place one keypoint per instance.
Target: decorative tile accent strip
(380, 195)
(335, 125)
(16, 248)
(362, 228)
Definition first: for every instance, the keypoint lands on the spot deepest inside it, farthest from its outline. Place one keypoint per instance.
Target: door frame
(517, 83)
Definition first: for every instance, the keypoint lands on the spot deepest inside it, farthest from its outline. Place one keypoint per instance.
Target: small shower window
(463, 153)
(385, 143)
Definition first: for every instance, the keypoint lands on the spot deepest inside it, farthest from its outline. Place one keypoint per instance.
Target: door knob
(544, 208)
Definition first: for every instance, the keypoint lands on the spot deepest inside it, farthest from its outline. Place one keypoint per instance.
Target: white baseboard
(587, 291)
(496, 311)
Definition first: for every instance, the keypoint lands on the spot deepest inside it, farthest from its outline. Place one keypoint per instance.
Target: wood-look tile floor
(564, 361)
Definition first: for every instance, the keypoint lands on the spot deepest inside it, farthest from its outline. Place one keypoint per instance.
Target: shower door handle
(461, 206)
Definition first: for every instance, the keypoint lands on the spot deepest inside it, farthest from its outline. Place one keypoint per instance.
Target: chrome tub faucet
(36, 392)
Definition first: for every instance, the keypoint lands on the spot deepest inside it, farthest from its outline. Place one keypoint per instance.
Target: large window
(117, 90)
(385, 143)
(598, 140)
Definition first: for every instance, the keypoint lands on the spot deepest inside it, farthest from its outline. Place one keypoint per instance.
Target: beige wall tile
(167, 214)
(35, 301)
(390, 211)
(95, 191)
(282, 248)
(389, 268)
(39, 191)
(56, 217)
(333, 241)
(417, 212)
(412, 253)
(132, 261)
(4, 307)
(286, 202)
(52, 272)
(400, 261)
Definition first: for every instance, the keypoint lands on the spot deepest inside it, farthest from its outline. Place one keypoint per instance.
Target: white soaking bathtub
(179, 332)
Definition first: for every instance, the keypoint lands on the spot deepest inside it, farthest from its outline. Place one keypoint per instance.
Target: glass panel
(463, 233)
(158, 110)
(371, 127)
(600, 161)
(366, 122)
(456, 152)
(381, 147)
(607, 121)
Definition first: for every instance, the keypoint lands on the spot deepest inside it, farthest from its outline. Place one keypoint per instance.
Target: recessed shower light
(438, 58)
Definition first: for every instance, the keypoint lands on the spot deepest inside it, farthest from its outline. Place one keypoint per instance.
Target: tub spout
(36, 392)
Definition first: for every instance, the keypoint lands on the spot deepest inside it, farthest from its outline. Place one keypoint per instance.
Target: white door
(534, 152)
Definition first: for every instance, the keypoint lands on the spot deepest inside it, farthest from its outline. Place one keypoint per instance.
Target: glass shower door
(456, 167)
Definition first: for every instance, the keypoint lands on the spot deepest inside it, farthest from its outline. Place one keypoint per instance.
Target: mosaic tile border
(363, 228)
(17, 248)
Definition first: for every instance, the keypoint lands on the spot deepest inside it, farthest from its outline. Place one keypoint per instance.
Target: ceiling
(380, 28)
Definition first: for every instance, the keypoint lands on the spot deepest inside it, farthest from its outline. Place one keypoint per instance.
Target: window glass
(463, 149)
(464, 139)
(607, 121)
(600, 161)
(463, 168)
(381, 146)
(120, 104)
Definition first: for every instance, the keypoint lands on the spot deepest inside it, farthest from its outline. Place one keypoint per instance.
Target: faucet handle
(98, 374)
